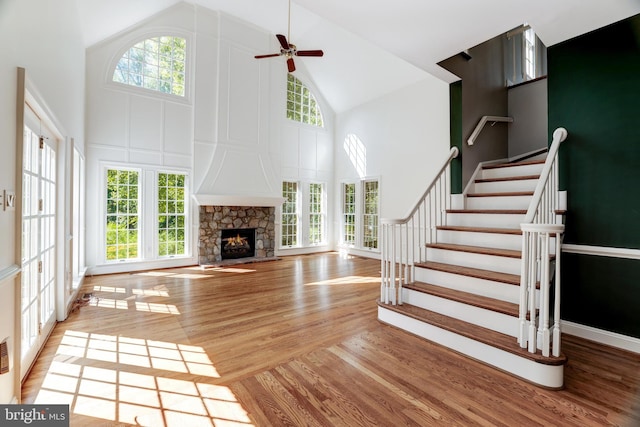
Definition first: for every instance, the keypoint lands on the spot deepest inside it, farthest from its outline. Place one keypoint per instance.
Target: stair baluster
(539, 226)
(400, 247)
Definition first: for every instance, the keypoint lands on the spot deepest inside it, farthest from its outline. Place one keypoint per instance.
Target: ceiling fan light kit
(290, 50)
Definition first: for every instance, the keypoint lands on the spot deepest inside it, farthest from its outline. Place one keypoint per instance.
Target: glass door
(38, 236)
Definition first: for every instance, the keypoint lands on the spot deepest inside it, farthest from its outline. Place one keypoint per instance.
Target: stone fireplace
(246, 222)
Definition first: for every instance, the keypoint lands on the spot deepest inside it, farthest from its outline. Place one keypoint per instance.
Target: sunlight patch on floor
(117, 393)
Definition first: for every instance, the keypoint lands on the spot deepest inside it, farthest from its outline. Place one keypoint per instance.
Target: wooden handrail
(483, 121)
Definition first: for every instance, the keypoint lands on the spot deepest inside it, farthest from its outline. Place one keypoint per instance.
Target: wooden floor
(294, 342)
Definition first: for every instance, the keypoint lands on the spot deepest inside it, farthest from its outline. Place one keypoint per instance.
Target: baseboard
(601, 336)
(14, 400)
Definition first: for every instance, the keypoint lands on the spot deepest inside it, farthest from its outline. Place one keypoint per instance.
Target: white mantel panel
(145, 157)
(177, 160)
(308, 149)
(290, 151)
(243, 98)
(324, 152)
(145, 120)
(206, 76)
(239, 173)
(202, 158)
(178, 128)
(104, 127)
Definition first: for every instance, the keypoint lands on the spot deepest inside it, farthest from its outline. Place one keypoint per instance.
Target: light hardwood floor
(294, 342)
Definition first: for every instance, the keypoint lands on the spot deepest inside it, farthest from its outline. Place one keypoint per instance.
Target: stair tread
(493, 230)
(507, 178)
(502, 194)
(510, 279)
(508, 165)
(468, 298)
(489, 211)
(508, 253)
(478, 333)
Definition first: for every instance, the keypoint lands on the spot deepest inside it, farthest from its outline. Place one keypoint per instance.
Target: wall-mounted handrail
(404, 240)
(483, 121)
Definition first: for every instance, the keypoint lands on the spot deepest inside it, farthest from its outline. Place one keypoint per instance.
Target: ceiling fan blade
(309, 53)
(291, 65)
(283, 41)
(271, 55)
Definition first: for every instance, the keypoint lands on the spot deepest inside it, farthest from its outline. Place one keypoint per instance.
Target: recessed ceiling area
(374, 47)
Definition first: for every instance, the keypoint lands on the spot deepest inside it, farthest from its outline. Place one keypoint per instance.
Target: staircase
(463, 284)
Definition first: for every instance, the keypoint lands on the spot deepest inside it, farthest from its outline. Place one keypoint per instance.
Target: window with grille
(529, 41)
(122, 215)
(301, 104)
(289, 228)
(316, 214)
(349, 214)
(370, 215)
(157, 63)
(171, 214)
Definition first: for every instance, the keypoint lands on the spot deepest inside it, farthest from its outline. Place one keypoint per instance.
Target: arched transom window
(157, 63)
(301, 104)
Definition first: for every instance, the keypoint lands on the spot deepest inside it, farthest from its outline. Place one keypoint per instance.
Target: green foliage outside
(122, 215)
(171, 214)
(156, 63)
(289, 226)
(301, 104)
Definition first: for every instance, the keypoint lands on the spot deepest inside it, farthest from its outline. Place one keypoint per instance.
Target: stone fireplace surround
(215, 218)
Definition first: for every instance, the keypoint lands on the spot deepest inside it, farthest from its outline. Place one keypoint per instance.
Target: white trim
(601, 336)
(9, 273)
(602, 251)
(140, 265)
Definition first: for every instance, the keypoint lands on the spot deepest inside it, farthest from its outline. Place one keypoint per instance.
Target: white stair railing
(404, 240)
(542, 237)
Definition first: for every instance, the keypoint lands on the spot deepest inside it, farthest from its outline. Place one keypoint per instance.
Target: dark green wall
(594, 92)
(455, 130)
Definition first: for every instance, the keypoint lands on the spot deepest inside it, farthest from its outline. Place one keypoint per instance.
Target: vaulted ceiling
(373, 47)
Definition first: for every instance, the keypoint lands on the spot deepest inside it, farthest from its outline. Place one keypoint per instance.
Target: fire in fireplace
(238, 243)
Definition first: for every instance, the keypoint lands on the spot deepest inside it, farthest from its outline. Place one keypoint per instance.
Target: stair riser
(486, 318)
(505, 172)
(486, 240)
(487, 288)
(485, 220)
(545, 375)
(498, 202)
(466, 259)
(505, 186)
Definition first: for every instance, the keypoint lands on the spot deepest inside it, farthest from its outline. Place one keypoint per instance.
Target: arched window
(301, 104)
(157, 63)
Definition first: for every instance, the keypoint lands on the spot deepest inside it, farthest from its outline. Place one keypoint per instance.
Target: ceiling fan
(290, 50)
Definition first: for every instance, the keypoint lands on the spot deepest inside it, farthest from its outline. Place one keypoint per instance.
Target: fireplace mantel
(237, 200)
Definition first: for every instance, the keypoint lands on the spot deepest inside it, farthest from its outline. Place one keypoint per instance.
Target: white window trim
(141, 36)
(359, 224)
(147, 235)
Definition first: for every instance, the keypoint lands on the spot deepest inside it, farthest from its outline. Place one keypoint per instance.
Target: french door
(38, 237)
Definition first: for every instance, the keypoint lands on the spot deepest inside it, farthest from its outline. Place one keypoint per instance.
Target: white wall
(227, 132)
(44, 38)
(406, 136)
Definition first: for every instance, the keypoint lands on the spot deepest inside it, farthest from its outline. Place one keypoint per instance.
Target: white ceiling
(373, 47)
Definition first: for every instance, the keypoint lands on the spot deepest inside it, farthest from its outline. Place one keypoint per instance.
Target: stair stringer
(551, 376)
